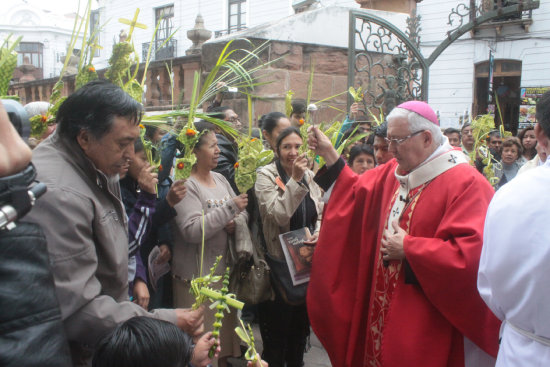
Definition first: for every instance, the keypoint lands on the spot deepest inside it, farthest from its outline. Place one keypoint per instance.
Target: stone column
(198, 35)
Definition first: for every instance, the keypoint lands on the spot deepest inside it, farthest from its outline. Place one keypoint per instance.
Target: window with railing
(165, 15)
(163, 47)
(30, 53)
(236, 15)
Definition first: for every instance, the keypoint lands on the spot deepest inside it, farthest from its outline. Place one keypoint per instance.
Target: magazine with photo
(298, 255)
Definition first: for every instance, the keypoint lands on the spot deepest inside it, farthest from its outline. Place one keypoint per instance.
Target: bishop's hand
(321, 145)
(392, 243)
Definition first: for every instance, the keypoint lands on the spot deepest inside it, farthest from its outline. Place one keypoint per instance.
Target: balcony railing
(167, 51)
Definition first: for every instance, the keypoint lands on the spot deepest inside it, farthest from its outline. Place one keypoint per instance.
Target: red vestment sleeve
(343, 261)
(449, 258)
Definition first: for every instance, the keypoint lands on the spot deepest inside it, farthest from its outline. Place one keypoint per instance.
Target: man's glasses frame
(398, 142)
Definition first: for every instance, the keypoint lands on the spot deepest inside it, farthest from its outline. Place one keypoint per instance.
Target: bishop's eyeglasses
(398, 142)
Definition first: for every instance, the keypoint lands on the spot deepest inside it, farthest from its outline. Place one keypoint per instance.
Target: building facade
(177, 17)
(45, 38)
(459, 77)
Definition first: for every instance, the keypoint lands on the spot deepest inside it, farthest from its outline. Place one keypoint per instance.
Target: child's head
(298, 112)
(144, 342)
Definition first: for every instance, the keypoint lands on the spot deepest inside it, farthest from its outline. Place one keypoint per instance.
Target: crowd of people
(396, 222)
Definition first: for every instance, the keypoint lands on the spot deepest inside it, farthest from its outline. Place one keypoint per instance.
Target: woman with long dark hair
(528, 144)
(289, 200)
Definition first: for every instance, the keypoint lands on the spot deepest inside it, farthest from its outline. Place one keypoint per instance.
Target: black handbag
(250, 280)
(282, 282)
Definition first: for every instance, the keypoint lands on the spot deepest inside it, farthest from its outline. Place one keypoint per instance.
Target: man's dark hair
(464, 126)
(451, 130)
(144, 342)
(94, 107)
(138, 146)
(298, 106)
(382, 130)
(150, 131)
(493, 134)
(286, 132)
(543, 113)
(269, 121)
(218, 112)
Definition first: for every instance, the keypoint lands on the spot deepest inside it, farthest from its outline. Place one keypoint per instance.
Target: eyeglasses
(402, 140)
(234, 119)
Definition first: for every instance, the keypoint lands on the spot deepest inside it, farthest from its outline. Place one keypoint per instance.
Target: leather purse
(250, 280)
(250, 275)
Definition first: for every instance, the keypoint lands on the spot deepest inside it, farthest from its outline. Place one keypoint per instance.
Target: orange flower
(301, 122)
(190, 132)
(253, 139)
(160, 167)
(44, 118)
(180, 165)
(236, 165)
(91, 69)
(141, 126)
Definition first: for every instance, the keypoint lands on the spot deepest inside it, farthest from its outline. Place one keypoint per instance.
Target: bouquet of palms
(252, 156)
(481, 127)
(226, 71)
(333, 131)
(149, 149)
(311, 107)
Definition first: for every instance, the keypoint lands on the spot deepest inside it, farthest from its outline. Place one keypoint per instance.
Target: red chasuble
(414, 312)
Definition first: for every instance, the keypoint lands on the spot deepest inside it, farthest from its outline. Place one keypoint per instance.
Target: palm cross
(132, 23)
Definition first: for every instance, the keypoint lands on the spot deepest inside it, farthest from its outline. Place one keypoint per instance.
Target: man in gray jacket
(83, 217)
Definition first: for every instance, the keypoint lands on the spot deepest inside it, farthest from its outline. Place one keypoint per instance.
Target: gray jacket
(85, 224)
(277, 205)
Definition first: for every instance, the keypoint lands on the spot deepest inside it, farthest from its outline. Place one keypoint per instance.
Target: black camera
(18, 192)
(18, 117)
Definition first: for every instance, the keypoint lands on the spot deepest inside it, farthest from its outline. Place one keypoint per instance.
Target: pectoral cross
(452, 159)
(132, 23)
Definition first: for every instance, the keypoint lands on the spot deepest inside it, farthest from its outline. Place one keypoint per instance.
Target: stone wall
(290, 72)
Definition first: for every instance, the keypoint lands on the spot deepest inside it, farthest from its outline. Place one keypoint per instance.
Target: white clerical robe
(513, 278)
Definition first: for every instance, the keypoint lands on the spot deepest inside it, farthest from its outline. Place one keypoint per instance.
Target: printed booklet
(297, 254)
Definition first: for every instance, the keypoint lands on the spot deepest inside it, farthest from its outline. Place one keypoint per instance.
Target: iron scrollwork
(385, 66)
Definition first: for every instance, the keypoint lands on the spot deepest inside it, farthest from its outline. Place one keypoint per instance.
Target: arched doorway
(506, 87)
